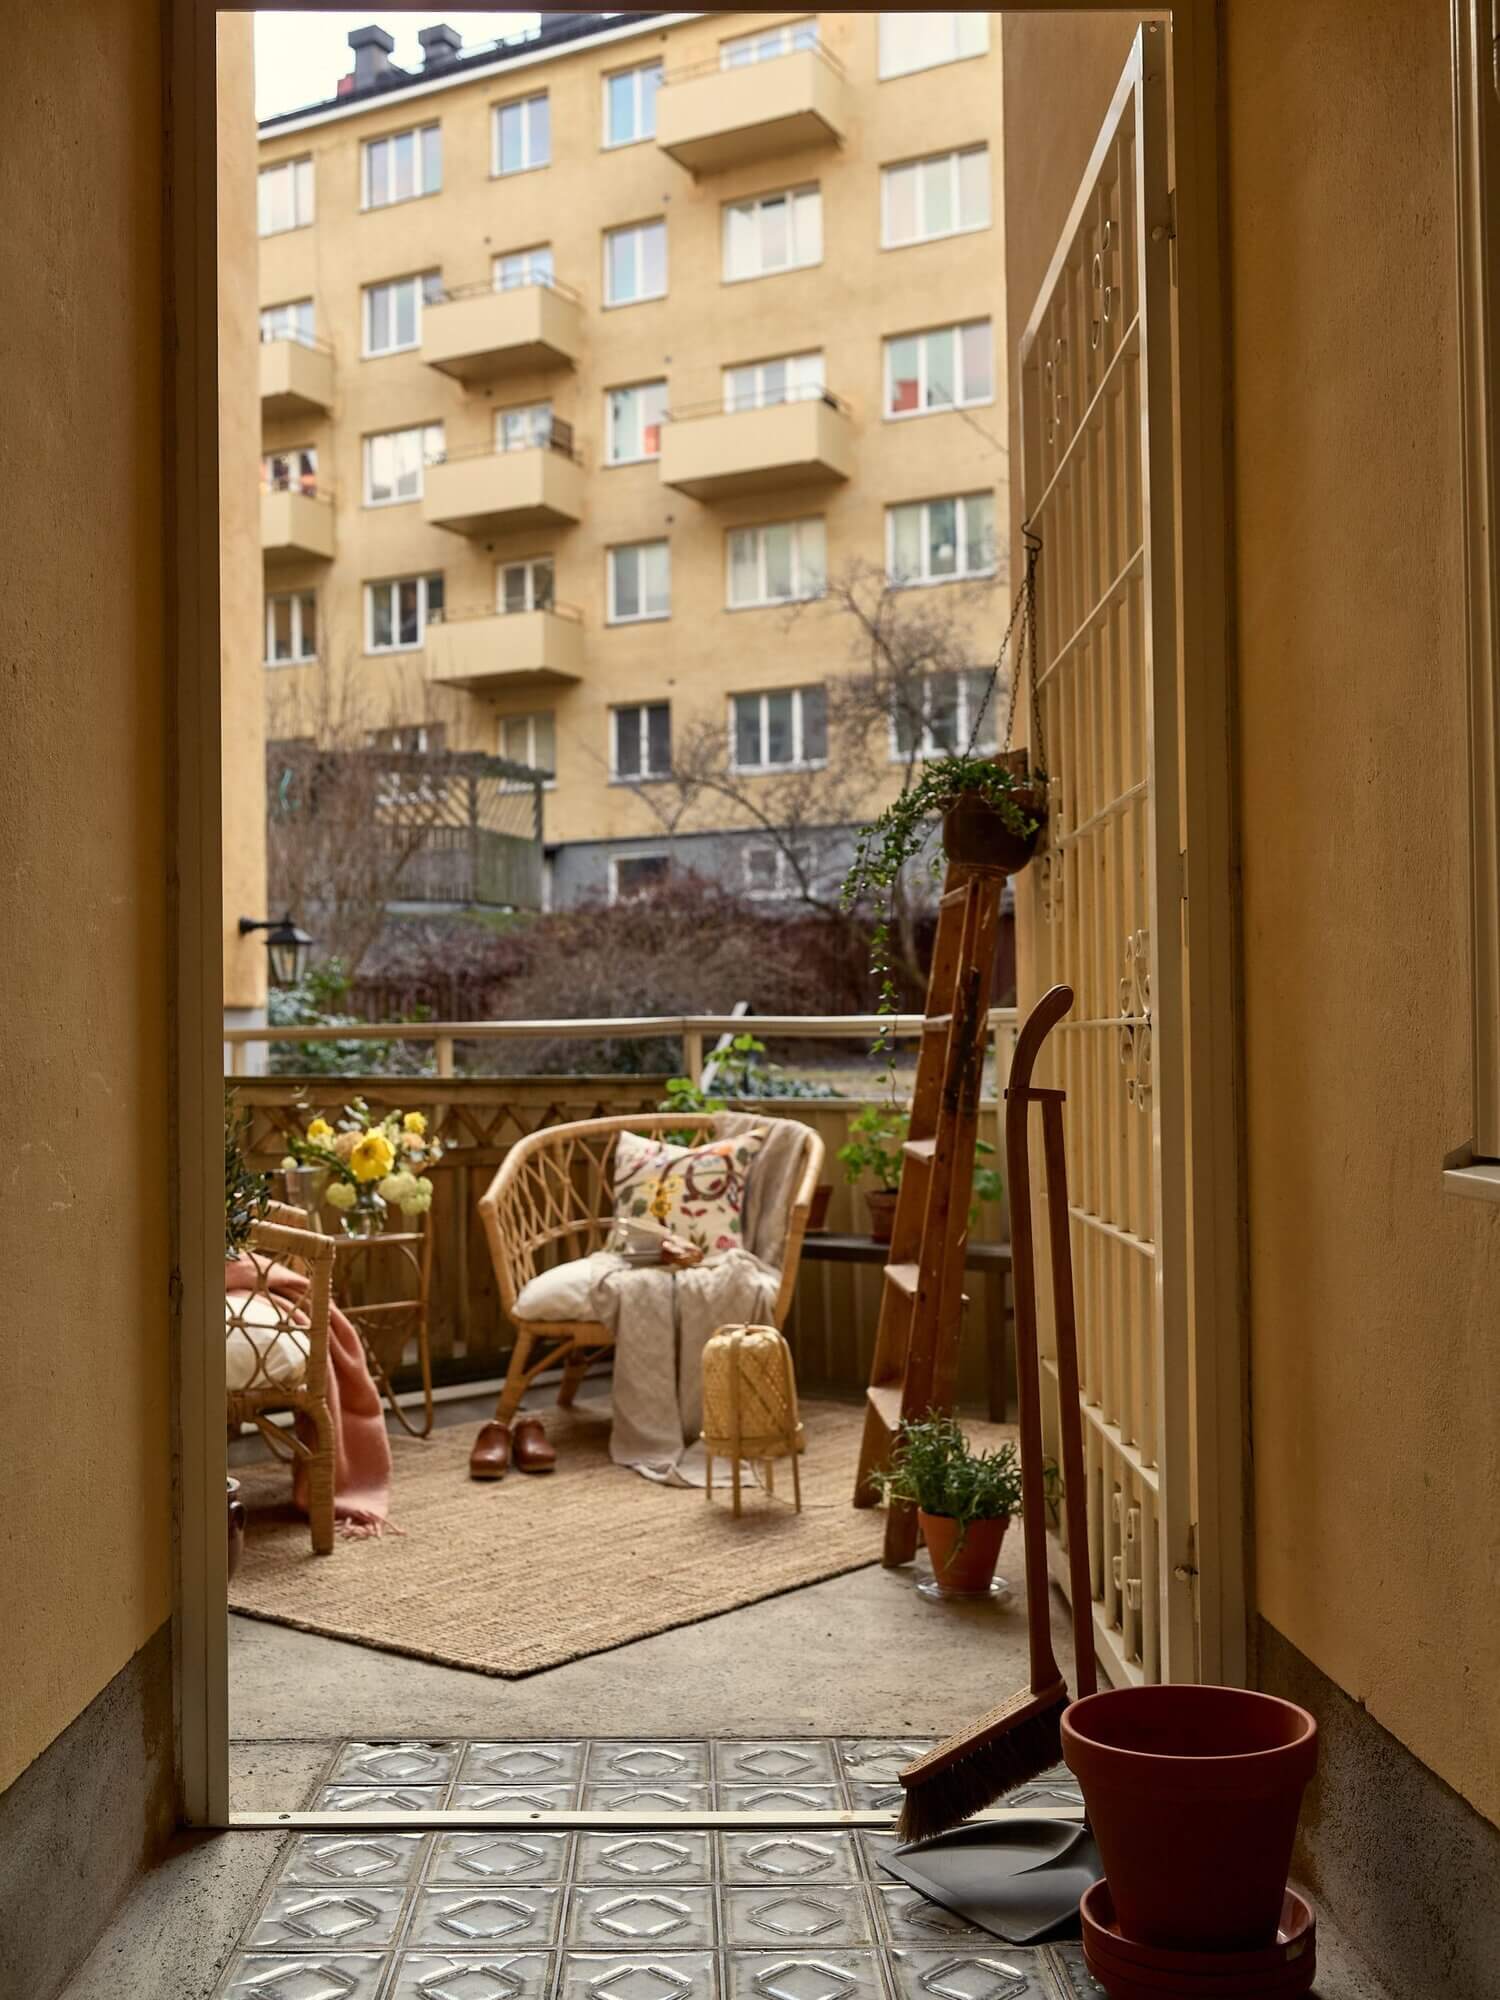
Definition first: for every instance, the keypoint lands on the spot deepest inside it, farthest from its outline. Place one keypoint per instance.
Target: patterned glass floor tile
(499, 1857)
(329, 1976)
(484, 1919)
(874, 1848)
(796, 1918)
(522, 1763)
(802, 1856)
(776, 1763)
(1057, 1787)
(652, 1916)
(382, 1798)
(350, 1918)
(425, 1975)
(874, 1795)
(646, 1975)
(631, 1762)
(877, 1758)
(514, 1798)
(323, 1860)
(403, 1763)
(812, 1974)
(781, 1798)
(906, 1917)
(644, 1858)
(994, 1972)
(649, 1795)
(1078, 1983)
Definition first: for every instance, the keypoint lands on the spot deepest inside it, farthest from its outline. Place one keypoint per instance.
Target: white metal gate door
(1105, 898)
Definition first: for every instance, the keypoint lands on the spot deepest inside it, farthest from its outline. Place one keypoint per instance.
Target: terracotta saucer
(1131, 1971)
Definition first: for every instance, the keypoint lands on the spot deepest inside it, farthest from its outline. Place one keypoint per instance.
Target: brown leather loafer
(490, 1458)
(531, 1449)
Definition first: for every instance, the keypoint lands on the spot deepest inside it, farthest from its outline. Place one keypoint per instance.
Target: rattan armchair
(268, 1321)
(553, 1199)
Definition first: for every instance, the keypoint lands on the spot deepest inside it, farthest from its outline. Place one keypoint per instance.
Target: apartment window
(393, 312)
(285, 196)
(515, 268)
(411, 739)
(293, 471)
(529, 740)
(774, 232)
(776, 565)
(767, 44)
(642, 740)
(291, 627)
(523, 427)
(934, 541)
(940, 370)
(630, 104)
(781, 729)
(399, 610)
(522, 135)
(633, 422)
(757, 385)
(524, 586)
(922, 41)
(402, 166)
(394, 462)
(635, 263)
(633, 875)
(936, 717)
(291, 321)
(775, 871)
(944, 195)
(640, 582)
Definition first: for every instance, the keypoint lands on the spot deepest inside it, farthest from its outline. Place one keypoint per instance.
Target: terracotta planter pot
(974, 832)
(236, 1526)
(882, 1205)
(1193, 1795)
(1127, 1971)
(966, 1567)
(817, 1215)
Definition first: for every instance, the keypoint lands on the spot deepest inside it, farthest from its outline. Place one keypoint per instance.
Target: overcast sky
(299, 58)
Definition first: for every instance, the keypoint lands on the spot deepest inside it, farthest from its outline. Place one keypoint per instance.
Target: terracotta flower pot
(974, 832)
(1193, 1795)
(963, 1563)
(817, 1215)
(882, 1205)
(1129, 1971)
(236, 1526)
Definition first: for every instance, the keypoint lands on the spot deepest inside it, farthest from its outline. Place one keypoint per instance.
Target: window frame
(614, 617)
(965, 677)
(646, 775)
(953, 156)
(543, 411)
(804, 394)
(296, 598)
(800, 761)
(303, 482)
(650, 854)
(790, 44)
(958, 575)
(529, 564)
(302, 337)
(424, 581)
(786, 884)
(611, 458)
(426, 455)
(921, 336)
(886, 73)
(760, 529)
(530, 718)
(759, 202)
(421, 280)
(635, 72)
(417, 134)
(607, 236)
(498, 171)
(528, 251)
(299, 185)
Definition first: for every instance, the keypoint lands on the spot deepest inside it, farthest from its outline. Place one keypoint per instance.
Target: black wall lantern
(287, 946)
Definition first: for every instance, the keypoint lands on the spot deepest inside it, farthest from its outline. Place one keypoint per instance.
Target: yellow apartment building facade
(587, 356)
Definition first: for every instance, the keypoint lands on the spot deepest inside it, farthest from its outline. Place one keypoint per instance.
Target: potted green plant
(964, 1499)
(873, 1148)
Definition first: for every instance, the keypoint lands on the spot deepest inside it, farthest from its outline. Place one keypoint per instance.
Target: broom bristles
(1010, 1746)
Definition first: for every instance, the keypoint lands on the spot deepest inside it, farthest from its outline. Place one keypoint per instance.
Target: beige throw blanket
(662, 1320)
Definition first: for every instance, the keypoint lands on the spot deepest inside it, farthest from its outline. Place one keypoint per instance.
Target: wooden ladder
(915, 1367)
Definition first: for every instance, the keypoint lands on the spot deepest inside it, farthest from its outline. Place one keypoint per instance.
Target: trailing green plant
(876, 1137)
(247, 1194)
(740, 1071)
(934, 1468)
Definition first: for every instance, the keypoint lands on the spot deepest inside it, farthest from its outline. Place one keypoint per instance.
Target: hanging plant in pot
(964, 1500)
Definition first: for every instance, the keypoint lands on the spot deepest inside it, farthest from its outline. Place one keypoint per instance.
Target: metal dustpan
(1020, 1879)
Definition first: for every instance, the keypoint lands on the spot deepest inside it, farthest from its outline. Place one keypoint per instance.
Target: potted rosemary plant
(964, 1500)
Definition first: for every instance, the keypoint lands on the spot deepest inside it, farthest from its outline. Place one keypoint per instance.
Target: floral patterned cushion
(695, 1192)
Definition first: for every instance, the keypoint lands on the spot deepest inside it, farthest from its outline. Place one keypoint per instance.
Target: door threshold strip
(456, 1820)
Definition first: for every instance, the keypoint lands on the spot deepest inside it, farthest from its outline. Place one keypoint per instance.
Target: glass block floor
(676, 1915)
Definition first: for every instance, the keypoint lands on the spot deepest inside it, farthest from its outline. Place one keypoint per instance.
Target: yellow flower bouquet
(370, 1162)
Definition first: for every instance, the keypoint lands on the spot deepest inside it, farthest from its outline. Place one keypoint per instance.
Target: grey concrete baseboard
(1408, 1870)
(82, 1822)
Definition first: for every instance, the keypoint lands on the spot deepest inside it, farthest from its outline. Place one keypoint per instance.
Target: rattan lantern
(750, 1406)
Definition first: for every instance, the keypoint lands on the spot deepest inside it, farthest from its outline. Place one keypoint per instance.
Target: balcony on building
(710, 117)
(494, 652)
(717, 454)
(296, 375)
(492, 492)
(296, 522)
(479, 333)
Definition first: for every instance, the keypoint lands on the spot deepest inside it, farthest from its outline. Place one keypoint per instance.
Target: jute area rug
(513, 1577)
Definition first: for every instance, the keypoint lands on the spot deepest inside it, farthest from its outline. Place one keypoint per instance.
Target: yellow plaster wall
(1373, 1295)
(242, 632)
(85, 1472)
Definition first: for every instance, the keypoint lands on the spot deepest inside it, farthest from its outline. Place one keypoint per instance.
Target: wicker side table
(395, 1261)
(750, 1406)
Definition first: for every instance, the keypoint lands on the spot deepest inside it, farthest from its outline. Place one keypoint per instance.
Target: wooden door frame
(196, 1051)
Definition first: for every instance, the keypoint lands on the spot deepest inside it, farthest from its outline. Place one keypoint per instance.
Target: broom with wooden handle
(1021, 1736)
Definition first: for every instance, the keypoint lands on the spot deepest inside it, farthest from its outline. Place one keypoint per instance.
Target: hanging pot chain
(1021, 630)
